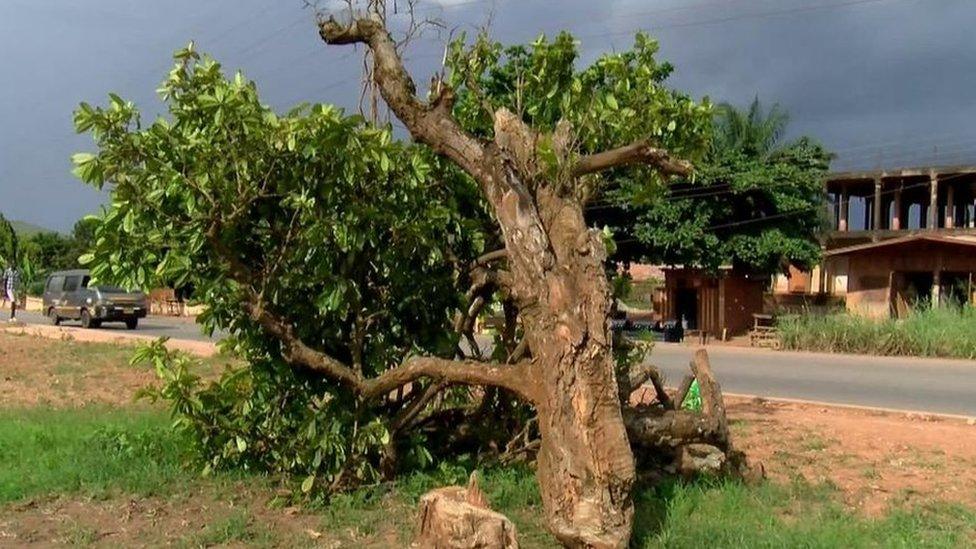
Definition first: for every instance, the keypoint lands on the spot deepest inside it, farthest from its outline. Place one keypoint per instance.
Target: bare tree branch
(411, 410)
(641, 374)
(468, 372)
(429, 123)
(636, 153)
(489, 257)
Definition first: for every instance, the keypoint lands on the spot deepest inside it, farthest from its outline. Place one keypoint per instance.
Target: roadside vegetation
(37, 253)
(113, 471)
(930, 332)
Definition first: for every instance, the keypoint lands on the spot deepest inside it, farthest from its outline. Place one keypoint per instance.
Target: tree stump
(457, 517)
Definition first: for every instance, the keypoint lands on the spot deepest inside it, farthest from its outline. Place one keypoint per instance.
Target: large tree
(349, 265)
(755, 202)
(8, 243)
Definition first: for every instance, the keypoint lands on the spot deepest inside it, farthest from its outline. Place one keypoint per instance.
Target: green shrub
(933, 332)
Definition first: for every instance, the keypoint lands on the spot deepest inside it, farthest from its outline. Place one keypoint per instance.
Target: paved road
(930, 385)
(155, 326)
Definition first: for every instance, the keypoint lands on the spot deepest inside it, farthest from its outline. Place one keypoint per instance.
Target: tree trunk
(585, 464)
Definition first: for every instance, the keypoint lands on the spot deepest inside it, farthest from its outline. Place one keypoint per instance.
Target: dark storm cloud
(882, 81)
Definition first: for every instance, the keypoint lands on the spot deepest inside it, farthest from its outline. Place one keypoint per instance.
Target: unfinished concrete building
(897, 237)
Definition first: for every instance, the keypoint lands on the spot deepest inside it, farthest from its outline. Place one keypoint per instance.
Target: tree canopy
(755, 203)
(8, 243)
(353, 237)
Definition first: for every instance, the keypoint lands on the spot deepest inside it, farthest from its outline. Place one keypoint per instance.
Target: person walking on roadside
(11, 278)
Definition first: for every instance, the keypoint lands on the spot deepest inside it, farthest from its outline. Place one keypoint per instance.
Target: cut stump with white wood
(457, 517)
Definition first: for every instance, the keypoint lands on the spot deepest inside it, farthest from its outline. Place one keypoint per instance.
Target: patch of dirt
(35, 371)
(121, 339)
(241, 517)
(876, 459)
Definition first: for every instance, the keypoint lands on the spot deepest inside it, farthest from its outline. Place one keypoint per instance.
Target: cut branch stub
(713, 405)
(641, 152)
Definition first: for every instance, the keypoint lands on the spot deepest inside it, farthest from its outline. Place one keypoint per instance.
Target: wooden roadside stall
(717, 304)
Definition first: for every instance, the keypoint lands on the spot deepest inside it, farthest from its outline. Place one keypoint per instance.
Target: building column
(936, 287)
(878, 225)
(844, 205)
(933, 220)
(896, 214)
(950, 217)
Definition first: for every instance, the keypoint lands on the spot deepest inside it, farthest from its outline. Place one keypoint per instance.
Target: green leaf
(81, 158)
(308, 483)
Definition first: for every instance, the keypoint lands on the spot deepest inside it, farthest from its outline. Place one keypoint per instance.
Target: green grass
(797, 515)
(677, 515)
(237, 528)
(102, 452)
(931, 332)
(89, 450)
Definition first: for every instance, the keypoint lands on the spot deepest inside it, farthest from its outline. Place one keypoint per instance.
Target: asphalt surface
(902, 383)
(155, 326)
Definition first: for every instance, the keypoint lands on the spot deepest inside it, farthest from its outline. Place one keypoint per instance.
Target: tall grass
(932, 332)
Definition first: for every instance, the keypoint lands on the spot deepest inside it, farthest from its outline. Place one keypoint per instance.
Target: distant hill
(26, 230)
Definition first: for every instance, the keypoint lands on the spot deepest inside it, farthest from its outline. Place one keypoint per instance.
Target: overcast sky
(881, 82)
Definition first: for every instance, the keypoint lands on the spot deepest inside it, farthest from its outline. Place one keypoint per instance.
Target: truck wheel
(131, 323)
(53, 317)
(87, 321)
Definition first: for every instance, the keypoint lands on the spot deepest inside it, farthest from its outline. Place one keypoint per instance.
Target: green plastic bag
(693, 399)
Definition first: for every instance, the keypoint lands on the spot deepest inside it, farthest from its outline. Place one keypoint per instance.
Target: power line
(796, 211)
(725, 188)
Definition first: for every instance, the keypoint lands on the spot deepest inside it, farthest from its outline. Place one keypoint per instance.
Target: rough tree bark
(555, 275)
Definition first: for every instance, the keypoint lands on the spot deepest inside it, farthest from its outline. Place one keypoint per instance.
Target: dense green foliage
(44, 252)
(351, 237)
(619, 99)
(935, 332)
(356, 240)
(8, 243)
(358, 243)
(754, 203)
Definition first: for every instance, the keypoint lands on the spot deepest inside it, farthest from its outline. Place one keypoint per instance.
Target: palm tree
(753, 132)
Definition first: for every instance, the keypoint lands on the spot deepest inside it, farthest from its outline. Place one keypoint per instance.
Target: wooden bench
(764, 333)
